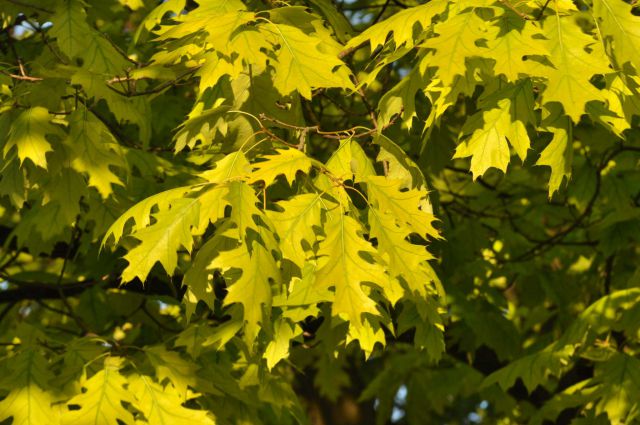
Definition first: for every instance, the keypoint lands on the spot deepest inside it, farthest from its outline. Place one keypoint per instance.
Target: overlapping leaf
(28, 134)
(512, 110)
(401, 25)
(573, 66)
(101, 404)
(30, 397)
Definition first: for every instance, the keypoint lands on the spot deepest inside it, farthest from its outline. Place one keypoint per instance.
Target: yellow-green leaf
(623, 27)
(252, 288)
(559, 152)
(568, 79)
(301, 66)
(101, 403)
(162, 406)
(401, 25)
(30, 397)
(28, 134)
(285, 162)
(343, 267)
(161, 241)
(295, 225)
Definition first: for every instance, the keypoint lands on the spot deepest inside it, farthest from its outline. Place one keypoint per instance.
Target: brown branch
(23, 77)
(23, 74)
(44, 291)
(36, 291)
(337, 134)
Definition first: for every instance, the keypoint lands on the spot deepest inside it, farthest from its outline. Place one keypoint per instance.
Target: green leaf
(101, 403)
(70, 28)
(202, 124)
(401, 166)
(161, 241)
(285, 162)
(13, 183)
(64, 192)
(406, 206)
(162, 406)
(532, 369)
(350, 162)
(140, 213)
(559, 152)
(295, 225)
(278, 348)
(303, 294)
(155, 16)
(134, 109)
(401, 100)
(301, 66)
(170, 365)
(199, 278)
(622, 27)
(338, 21)
(28, 134)
(229, 14)
(510, 41)
(92, 144)
(30, 398)
(343, 267)
(403, 258)
(456, 41)
(511, 111)
(252, 288)
(244, 211)
(77, 39)
(568, 79)
(401, 25)
(192, 338)
(231, 166)
(620, 387)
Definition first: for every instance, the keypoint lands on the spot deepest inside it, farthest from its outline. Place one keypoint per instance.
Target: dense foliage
(243, 212)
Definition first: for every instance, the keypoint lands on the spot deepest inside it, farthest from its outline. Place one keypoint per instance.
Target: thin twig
(122, 52)
(515, 10)
(10, 261)
(45, 39)
(608, 272)
(542, 10)
(338, 134)
(23, 77)
(53, 309)
(6, 310)
(156, 321)
(379, 15)
(156, 89)
(555, 239)
(81, 324)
